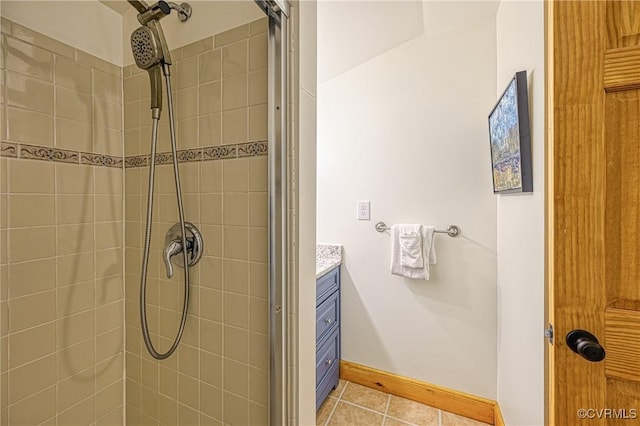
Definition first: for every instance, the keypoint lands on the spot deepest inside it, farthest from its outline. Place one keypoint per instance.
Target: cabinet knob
(328, 321)
(329, 362)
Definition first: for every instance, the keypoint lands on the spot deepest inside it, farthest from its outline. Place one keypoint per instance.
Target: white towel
(412, 245)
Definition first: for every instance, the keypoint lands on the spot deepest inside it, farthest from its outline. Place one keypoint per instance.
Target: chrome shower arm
(140, 5)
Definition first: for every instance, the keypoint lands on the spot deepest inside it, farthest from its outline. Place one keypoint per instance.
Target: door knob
(586, 345)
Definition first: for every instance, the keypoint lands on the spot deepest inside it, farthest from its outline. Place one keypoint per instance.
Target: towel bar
(452, 231)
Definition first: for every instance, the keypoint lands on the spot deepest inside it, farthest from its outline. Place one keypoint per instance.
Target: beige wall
(219, 373)
(61, 259)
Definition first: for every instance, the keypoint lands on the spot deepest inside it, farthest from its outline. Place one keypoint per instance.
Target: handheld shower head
(149, 55)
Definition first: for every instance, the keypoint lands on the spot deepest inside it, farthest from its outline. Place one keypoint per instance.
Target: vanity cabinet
(327, 334)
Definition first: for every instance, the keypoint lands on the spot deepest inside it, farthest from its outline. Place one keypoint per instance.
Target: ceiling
(119, 6)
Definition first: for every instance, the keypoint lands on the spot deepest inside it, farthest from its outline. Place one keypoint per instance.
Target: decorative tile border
(209, 153)
(47, 153)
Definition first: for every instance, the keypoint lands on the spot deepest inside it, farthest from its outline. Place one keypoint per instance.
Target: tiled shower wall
(219, 373)
(61, 213)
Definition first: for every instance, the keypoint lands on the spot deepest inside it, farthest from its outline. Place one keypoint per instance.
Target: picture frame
(510, 139)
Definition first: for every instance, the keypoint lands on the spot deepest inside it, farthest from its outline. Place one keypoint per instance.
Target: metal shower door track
(279, 404)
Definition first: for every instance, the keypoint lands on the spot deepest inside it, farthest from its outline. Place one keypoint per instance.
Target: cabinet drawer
(327, 384)
(327, 355)
(327, 284)
(327, 315)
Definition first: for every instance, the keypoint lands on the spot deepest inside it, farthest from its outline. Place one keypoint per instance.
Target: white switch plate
(364, 210)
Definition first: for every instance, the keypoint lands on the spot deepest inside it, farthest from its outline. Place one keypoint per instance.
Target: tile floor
(352, 404)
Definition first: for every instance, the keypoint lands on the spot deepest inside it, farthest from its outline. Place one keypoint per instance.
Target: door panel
(596, 208)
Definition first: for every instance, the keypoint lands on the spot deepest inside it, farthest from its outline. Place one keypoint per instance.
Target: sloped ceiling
(119, 6)
(351, 32)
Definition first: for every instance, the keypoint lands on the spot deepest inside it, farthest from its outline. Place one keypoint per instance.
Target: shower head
(150, 53)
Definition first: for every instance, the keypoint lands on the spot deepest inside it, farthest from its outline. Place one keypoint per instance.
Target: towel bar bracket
(452, 231)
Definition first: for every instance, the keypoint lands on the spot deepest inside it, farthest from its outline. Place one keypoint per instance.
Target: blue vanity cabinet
(327, 334)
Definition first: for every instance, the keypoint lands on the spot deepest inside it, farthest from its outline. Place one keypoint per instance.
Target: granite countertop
(328, 256)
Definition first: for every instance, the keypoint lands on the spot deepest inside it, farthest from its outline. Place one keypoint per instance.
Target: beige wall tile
(259, 26)
(132, 88)
(210, 66)
(236, 344)
(259, 385)
(167, 410)
(211, 402)
(236, 409)
(34, 409)
(211, 339)
(26, 210)
(76, 358)
(210, 129)
(113, 418)
(210, 98)
(234, 126)
(132, 115)
(108, 262)
(109, 290)
(131, 141)
(213, 236)
(211, 369)
(258, 209)
(259, 350)
(149, 405)
(187, 133)
(28, 59)
(149, 371)
(74, 179)
(72, 75)
(258, 52)
(236, 310)
(75, 329)
(72, 239)
(73, 390)
(73, 105)
(236, 175)
(5, 27)
(258, 87)
(108, 399)
(234, 92)
(74, 209)
(235, 59)
(74, 269)
(31, 277)
(109, 344)
(187, 72)
(258, 174)
(107, 86)
(74, 135)
(211, 209)
(75, 298)
(41, 40)
(187, 105)
(259, 244)
(21, 177)
(108, 208)
(31, 378)
(109, 371)
(108, 180)
(29, 127)
(31, 243)
(29, 93)
(211, 176)
(188, 391)
(236, 276)
(236, 377)
(107, 114)
(236, 209)
(95, 62)
(107, 141)
(31, 344)
(168, 383)
(4, 173)
(259, 315)
(212, 300)
(232, 35)
(189, 361)
(211, 272)
(197, 47)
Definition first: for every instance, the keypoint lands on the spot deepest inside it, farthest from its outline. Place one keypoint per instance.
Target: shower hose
(147, 239)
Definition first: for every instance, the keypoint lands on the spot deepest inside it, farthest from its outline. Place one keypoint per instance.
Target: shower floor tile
(351, 404)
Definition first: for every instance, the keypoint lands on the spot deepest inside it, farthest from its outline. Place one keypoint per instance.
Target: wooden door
(594, 214)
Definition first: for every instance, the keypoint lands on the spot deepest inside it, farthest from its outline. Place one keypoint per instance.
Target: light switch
(364, 211)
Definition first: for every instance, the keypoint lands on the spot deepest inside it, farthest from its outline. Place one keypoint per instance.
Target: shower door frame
(277, 12)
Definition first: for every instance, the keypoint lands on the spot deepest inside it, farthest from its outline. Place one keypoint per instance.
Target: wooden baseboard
(474, 407)
(499, 421)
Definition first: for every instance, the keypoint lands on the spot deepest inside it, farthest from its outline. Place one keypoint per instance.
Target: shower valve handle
(172, 249)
